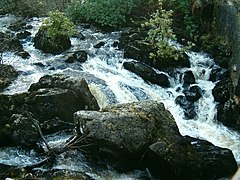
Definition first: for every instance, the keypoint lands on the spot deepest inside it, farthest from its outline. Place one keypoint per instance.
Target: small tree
(58, 25)
(161, 32)
(54, 35)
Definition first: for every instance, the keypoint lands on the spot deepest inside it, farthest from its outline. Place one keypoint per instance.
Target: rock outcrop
(145, 130)
(52, 102)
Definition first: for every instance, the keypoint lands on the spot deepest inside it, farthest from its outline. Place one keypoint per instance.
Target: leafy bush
(103, 12)
(58, 25)
(160, 32)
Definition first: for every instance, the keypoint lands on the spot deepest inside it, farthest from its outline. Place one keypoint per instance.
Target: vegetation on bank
(165, 19)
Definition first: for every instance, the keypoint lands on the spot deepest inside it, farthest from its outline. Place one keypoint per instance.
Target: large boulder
(60, 96)
(222, 91)
(49, 45)
(7, 75)
(52, 101)
(147, 131)
(188, 78)
(213, 158)
(229, 114)
(147, 73)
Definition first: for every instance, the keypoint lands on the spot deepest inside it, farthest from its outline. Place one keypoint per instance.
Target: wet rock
(172, 162)
(78, 86)
(49, 103)
(147, 73)
(146, 130)
(99, 44)
(23, 131)
(56, 125)
(229, 114)
(23, 54)
(169, 63)
(188, 78)
(23, 34)
(213, 159)
(7, 75)
(218, 74)
(80, 56)
(79, 35)
(221, 91)
(188, 107)
(47, 45)
(138, 50)
(130, 127)
(115, 44)
(193, 93)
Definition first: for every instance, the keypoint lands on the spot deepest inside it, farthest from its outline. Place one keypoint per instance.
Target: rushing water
(110, 83)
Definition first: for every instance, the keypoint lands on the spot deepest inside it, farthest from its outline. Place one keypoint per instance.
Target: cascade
(110, 83)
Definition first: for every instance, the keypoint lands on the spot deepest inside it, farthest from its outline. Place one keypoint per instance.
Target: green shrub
(160, 32)
(103, 12)
(58, 25)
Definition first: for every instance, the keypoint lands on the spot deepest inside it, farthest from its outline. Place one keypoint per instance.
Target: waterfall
(110, 83)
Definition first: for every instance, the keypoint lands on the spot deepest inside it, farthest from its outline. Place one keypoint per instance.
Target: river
(110, 83)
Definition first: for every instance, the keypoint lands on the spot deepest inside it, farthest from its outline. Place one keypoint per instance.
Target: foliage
(161, 33)
(186, 9)
(58, 25)
(6, 6)
(103, 12)
(30, 8)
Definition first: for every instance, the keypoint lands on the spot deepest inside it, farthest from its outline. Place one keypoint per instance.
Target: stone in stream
(147, 73)
(221, 91)
(188, 78)
(188, 107)
(60, 96)
(7, 75)
(52, 101)
(47, 45)
(193, 93)
(79, 56)
(145, 134)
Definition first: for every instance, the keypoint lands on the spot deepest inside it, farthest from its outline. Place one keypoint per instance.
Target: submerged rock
(188, 78)
(79, 56)
(193, 93)
(146, 130)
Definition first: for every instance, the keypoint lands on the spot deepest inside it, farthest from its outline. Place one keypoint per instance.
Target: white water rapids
(110, 83)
